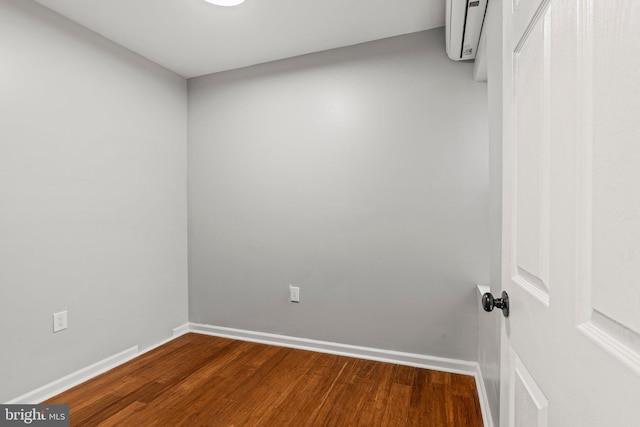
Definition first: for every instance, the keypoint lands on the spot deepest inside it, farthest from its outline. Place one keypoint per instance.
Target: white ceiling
(193, 38)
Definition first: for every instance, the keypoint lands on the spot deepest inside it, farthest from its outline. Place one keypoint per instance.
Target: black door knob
(489, 302)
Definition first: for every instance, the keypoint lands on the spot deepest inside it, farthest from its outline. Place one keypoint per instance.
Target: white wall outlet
(294, 293)
(60, 321)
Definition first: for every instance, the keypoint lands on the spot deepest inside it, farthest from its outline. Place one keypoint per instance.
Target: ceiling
(193, 38)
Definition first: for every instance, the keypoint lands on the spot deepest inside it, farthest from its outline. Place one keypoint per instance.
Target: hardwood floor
(199, 380)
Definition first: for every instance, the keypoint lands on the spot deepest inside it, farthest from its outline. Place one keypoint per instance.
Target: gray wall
(489, 323)
(359, 174)
(92, 198)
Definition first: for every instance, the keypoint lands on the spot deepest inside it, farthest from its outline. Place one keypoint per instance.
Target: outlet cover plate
(294, 293)
(60, 321)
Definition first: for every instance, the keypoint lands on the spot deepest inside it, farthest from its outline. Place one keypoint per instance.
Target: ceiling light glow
(225, 2)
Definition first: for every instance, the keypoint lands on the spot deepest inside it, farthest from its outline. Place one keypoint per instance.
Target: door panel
(531, 149)
(610, 182)
(530, 406)
(571, 213)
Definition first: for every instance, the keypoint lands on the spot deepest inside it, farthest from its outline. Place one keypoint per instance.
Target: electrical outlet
(60, 321)
(294, 293)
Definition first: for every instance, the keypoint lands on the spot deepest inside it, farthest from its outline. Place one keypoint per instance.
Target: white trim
(485, 408)
(483, 289)
(389, 356)
(483, 397)
(480, 63)
(180, 330)
(409, 359)
(73, 379)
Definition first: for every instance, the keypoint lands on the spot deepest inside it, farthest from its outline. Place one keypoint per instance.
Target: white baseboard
(480, 385)
(65, 383)
(390, 356)
(58, 386)
(487, 419)
(180, 330)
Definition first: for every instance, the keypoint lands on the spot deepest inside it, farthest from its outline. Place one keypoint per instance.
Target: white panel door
(571, 201)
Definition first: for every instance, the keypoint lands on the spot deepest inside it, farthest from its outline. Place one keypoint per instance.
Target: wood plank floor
(199, 380)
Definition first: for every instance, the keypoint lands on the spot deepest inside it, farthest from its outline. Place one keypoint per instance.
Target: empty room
(281, 212)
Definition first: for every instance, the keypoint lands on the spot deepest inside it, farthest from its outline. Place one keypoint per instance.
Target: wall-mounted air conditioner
(463, 26)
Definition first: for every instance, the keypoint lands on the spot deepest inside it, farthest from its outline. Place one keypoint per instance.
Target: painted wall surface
(358, 174)
(92, 198)
(489, 323)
